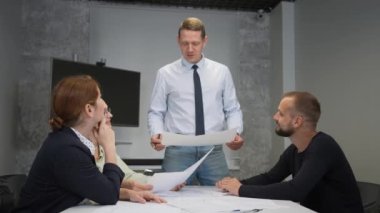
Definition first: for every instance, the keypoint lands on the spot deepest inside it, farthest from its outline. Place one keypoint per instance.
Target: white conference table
(197, 199)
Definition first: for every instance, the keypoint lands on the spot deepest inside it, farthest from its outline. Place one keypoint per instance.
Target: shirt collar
(189, 65)
(85, 141)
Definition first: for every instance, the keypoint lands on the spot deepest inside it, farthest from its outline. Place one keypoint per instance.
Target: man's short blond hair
(194, 24)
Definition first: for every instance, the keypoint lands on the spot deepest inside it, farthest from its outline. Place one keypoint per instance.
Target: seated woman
(64, 173)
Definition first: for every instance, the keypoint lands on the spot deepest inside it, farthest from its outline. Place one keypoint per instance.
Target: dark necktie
(199, 118)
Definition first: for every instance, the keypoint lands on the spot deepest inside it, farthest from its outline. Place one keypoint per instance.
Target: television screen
(120, 88)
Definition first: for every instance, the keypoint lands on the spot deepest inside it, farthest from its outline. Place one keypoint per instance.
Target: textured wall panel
(51, 28)
(253, 88)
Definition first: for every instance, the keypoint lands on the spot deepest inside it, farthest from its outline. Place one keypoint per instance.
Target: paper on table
(221, 204)
(166, 181)
(215, 138)
(206, 199)
(124, 206)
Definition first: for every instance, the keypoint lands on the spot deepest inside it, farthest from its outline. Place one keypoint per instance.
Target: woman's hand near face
(105, 136)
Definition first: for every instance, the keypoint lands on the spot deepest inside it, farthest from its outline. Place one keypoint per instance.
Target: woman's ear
(89, 110)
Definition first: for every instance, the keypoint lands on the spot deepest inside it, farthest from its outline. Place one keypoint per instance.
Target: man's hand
(236, 143)
(230, 185)
(155, 142)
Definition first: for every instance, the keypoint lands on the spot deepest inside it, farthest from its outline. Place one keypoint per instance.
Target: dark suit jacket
(64, 173)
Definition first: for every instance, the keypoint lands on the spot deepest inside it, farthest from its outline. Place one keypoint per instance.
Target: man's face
(284, 118)
(191, 44)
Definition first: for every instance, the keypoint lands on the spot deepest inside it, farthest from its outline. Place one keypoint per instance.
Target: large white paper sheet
(198, 200)
(215, 138)
(224, 204)
(166, 181)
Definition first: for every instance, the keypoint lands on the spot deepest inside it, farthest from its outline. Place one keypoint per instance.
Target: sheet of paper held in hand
(214, 138)
(165, 181)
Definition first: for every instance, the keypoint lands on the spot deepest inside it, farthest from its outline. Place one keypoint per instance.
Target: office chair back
(370, 194)
(10, 188)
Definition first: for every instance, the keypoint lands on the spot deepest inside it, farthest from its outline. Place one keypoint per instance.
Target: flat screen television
(120, 88)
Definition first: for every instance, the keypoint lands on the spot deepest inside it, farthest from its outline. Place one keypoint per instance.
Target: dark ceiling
(241, 5)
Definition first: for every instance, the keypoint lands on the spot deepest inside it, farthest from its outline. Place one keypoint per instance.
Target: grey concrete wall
(253, 88)
(50, 28)
(10, 15)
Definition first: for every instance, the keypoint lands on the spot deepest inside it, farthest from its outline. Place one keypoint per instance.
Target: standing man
(322, 177)
(193, 96)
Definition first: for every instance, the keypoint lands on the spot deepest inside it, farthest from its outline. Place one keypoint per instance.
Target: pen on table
(246, 211)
